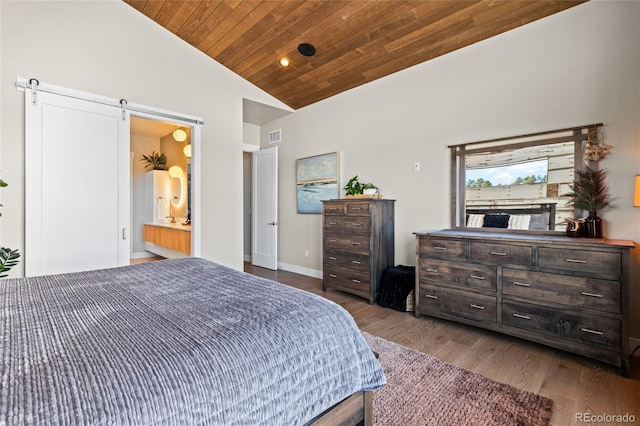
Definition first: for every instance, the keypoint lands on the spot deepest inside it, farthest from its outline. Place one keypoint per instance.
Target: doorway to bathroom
(161, 189)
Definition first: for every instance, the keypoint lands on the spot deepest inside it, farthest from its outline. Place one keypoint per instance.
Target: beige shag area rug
(422, 390)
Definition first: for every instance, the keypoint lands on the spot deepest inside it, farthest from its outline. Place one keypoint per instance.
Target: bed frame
(354, 410)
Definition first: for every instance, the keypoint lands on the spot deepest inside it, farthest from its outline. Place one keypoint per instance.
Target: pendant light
(180, 135)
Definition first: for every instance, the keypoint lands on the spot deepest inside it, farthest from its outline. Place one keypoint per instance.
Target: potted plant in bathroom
(155, 160)
(590, 194)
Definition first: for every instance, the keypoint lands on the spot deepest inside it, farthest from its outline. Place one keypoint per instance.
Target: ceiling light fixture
(306, 49)
(284, 62)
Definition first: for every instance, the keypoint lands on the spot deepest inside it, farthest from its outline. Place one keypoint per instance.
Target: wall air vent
(275, 136)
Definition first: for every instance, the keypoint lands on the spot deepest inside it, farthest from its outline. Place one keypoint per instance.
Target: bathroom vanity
(168, 240)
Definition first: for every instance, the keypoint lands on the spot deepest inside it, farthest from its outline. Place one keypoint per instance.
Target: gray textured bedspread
(179, 342)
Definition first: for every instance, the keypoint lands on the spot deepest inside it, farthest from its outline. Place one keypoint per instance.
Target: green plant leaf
(8, 259)
(156, 161)
(353, 187)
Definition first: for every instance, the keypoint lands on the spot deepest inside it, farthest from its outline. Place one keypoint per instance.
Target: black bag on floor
(397, 283)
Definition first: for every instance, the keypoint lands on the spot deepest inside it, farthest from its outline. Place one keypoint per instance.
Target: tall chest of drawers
(358, 244)
(571, 294)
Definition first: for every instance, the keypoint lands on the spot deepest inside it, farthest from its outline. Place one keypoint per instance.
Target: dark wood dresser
(358, 244)
(568, 293)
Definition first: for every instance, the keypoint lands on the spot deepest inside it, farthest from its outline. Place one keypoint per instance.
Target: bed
(181, 341)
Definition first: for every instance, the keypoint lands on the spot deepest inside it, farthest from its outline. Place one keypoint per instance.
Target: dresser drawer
(600, 262)
(353, 280)
(583, 292)
(502, 253)
(458, 273)
(333, 208)
(350, 261)
(442, 247)
(351, 243)
(477, 307)
(362, 208)
(361, 224)
(604, 332)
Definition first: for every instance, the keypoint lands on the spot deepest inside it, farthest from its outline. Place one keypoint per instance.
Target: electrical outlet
(416, 166)
(306, 253)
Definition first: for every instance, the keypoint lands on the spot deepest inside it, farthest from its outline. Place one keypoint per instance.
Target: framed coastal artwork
(316, 180)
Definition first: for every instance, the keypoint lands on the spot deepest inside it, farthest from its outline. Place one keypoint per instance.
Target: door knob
(272, 223)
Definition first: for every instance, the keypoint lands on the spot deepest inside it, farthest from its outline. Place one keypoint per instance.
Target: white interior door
(264, 240)
(77, 185)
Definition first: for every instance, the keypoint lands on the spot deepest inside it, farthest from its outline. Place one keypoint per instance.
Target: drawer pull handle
(333, 276)
(357, 224)
(355, 262)
(584, 293)
(477, 306)
(332, 208)
(333, 258)
(356, 208)
(476, 277)
(521, 284)
(439, 248)
(356, 281)
(431, 296)
(355, 243)
(434, 271)
(497, 253)
(575, 261)
(333, 223)
(332, 241)
(522, 316)
(588, 330)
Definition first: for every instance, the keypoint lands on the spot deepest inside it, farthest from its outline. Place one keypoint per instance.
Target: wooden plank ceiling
(356, 41)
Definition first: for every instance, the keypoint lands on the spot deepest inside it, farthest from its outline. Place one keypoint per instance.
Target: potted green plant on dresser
(590, 194)
(356, 189)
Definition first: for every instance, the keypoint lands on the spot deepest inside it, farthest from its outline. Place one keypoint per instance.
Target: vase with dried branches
(590, 194)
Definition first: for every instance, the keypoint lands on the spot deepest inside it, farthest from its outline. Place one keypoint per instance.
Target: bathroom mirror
(522, 181)
(176, 175)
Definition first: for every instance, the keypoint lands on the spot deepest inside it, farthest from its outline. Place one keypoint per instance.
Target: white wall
(109, 48)
(251, 138)
(577, 67)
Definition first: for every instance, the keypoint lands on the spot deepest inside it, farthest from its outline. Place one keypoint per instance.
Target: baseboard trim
(314, 273)
(634, 343)
(163, 251)
(247, 258)
(142, 255)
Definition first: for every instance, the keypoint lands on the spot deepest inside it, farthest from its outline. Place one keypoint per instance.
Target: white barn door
(76, 184)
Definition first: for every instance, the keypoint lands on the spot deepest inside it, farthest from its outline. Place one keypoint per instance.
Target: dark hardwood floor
(576, 384)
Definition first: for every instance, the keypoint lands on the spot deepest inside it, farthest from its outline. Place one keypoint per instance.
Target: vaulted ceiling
(356, 41)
